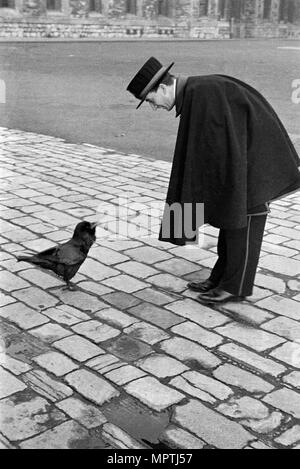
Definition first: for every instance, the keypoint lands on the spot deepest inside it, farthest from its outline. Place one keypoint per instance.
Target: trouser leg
(219, 267)
(243, 248)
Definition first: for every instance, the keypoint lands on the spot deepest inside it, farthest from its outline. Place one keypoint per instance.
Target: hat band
(153, 81)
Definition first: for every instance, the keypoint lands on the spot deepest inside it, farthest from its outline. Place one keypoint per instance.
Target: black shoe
(218, 296)
(202, 287)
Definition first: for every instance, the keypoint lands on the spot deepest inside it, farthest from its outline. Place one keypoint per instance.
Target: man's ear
(163, 87)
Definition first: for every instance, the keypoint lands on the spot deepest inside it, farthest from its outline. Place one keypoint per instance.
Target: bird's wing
(70, 254)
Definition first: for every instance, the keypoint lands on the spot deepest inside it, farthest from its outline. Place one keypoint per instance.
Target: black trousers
(238, 252)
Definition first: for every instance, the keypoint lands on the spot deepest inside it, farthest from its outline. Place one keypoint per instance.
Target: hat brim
(157, 77)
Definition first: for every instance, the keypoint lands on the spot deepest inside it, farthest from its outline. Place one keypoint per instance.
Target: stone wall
(187, 19)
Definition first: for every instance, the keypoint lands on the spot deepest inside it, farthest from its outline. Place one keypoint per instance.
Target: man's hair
(167, 79)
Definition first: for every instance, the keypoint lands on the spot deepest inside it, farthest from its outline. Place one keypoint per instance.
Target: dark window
(7, 3)
(222, 5)
(203, 7)
(164, 7)
(131, 7)
(236, 9)
(267, 9)
(291, 11)
(53, 4)
(96, 5)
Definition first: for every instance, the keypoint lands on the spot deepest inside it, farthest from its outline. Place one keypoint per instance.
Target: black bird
(65, 259)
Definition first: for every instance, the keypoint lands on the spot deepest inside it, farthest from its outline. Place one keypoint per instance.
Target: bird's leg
(70, 286)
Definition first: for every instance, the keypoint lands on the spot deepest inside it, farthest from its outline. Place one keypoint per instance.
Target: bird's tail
(31, 259)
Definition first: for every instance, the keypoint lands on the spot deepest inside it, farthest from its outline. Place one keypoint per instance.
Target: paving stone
(124, 375)
(10, 282)
(104, 363)
(68, 435)
(284, 327)
(108, 256)
(253, 360)
(286, 400)
(23, 316)
(168, 282)
(49, 388)
(41, 279)
(119, 439)
(96, 331)
(294, 285)
(5, 444)
(25, 415)
(280, 305)
(178, 438)
(80, 300)
(293, 379)
(78, 348)
(290, 436)
(202, 387)
(6, 300)
(16, 367)
(38, 245)
(196, 333)
(288, 353)
(128, 349)
(20, 235)
(36, 298)
(137, 269)
(121, 300)
(152, 296)
(55, 363)
(240, 378)
(178, 267)
(125, 283)
(252, 337)
(198, 313)
(244, 408)
(58, 219)
(94, 287)
(266, 425)
(288, 232)
(121, 245)
(210, 426)
(191, 353)
(157, 316)
(247, 313)
(97, 271)
(50, 332)
(259, 445)
(65, 314)
(9, 384)
(161, 365)
(153, 394)
(146, 333)
(194, 253)
(148, 255)
(92, 387)
(88, 415)
(116, 318)
(281, 265)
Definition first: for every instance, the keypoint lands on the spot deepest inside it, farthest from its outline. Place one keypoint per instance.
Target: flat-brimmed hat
(151, 73)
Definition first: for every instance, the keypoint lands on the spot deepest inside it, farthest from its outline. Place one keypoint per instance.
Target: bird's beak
(93, 225)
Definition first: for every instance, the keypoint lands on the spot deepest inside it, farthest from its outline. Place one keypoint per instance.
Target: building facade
(198, 19)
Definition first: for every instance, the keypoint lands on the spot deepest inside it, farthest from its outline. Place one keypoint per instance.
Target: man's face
(162, 98)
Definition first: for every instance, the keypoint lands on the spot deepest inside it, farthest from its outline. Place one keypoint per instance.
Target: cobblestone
(131, 342)
(77, 347)
(285, 400)
(56, 363)
(211, 426)
(152, 393)
(94, 388)
(88, 415)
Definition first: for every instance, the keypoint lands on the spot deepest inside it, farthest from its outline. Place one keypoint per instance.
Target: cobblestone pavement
(130, 360)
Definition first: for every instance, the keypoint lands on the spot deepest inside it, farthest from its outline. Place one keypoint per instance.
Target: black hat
(151, 73)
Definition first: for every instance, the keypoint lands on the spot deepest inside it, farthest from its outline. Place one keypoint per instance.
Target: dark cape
(232, 154)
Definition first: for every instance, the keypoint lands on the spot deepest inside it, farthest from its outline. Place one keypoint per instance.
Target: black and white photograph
(149, 227)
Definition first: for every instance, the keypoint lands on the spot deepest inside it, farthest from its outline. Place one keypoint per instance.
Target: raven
(65, 259)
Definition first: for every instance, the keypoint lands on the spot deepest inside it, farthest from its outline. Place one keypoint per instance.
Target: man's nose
(153, 106)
